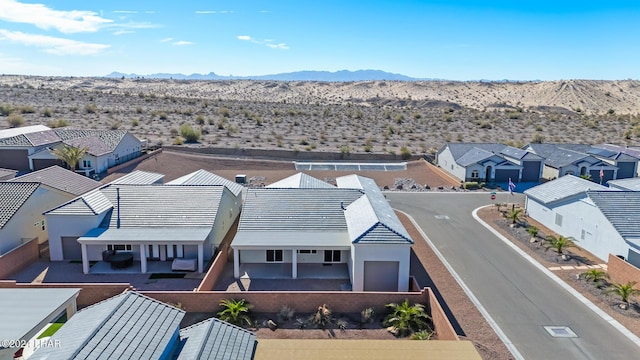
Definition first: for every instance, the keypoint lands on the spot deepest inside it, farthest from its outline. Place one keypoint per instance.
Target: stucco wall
(68, 225)
(382, 252)
(447, 163)
(578, 214)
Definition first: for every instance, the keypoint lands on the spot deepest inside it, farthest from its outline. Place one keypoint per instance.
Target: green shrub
(90, 109)
(405, 153)
(190, 134)
(471, 185)
(47, 112)
(6, 109)
(57, 123)
(15, 120)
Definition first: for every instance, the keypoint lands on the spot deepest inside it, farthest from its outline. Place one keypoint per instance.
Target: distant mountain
(338, 76)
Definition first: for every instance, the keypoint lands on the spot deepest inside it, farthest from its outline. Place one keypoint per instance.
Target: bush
(323, 317)
(91, 109)
(47, 112)
(405, 153)
(15, 120)
(190, 134)
(6, 109)
(57, 123)
(471, 185)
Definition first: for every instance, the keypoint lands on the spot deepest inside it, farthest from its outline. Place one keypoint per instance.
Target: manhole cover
(442, 217)
(560, 331)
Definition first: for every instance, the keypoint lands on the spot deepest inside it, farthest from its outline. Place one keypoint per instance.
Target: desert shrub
(366, 316)
(6, 109)
(135, 122)
(286, 313)
(225, 112)
(115, 125)
(57, 123)
(342, 324)
(47, 112)
(27, 109)
(173, 132)
(301, 323)
(178, 141)
(322, 317)
(90, 109)
(470, 185)
(422, 335)
(200, 119)
(190, 134)
(15, 120)
(163, 115)
(405, 153)
(537, 139)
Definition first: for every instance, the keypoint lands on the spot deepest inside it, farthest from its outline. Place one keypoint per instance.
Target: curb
(494, 325)
(606, 317)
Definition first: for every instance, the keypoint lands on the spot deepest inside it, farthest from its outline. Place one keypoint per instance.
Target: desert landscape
(390, 117)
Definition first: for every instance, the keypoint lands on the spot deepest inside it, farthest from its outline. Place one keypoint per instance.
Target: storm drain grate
(560, 331)
(441, 217)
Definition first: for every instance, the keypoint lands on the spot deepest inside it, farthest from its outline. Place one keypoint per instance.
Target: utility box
(241, 179)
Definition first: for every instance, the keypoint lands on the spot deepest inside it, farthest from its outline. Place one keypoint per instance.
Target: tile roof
(139, 177)
(126, 326)
(633, 152)
(12, 196)
(93, 144)
(7, 173)
(558, 155)
(216, 339)
(43, 137)
(61, 179)
(632, 184)
(7, 133)
(203, 177)
(370, 219)
(622, 209)
(99, 142)
(301, 181)
(274, 209)
(92, 203)
(110, 138)
(466, 154)
(562, 188)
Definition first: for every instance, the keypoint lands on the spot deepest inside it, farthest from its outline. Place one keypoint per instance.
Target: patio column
(294, 264)
(236, 263)
(143, 259)
(200, 257)
(85, 260)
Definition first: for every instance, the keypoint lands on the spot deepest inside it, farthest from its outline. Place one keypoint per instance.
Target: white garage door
(381, 275)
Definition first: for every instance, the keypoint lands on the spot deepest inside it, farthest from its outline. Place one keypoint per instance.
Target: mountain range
(337, 76)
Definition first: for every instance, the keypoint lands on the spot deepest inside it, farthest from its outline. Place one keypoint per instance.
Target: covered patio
(145, 244)
(284, 270)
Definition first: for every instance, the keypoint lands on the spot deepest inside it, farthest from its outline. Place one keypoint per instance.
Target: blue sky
(458, 40)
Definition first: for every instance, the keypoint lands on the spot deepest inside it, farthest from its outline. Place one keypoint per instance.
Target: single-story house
(25, 312)
(602, 220)
(134, 326)
(489, 162)
(301, 181)
(351, 225)
(583, 159)
(152, 222)
(630, 184)
(139, 177)
(34, 150)
(634, 152)
(203, 177)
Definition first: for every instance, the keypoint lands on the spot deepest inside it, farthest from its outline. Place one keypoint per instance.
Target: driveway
(519, 297)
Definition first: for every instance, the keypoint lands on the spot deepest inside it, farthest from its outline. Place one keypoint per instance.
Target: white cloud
(182, 42)
(214, 12)
(166, 39)
(53, 45)
(67, 22)
(205, 12)
(122, 32)
(266, 11)
(15, 65)
(265, 42)
(125, 12)
(149, 12)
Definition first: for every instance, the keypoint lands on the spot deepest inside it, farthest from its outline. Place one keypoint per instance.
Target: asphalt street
(519, 297)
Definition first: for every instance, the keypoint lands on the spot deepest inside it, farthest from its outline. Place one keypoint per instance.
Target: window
(332, 256)
(474, 174)
(119, 247)
(274, 255)
(307, 251)
(86, 163)
(42, 224)
(582, 233)
(558, 219)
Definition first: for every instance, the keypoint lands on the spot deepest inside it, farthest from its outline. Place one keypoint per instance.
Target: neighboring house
(154, 222)
(139, 177)
(301, 181)
(203, 177)
(31, 195)
(351, 226)
(134, 326)
(602, 220)
(7, 174)
(489, 162)
(585, 160)
(34, 150)
(632, 184)
(631, 151)
(25, 312)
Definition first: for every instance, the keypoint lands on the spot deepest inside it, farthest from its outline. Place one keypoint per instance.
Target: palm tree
(559, 244)
(407, 319)
(235, 311)
(625, 291)
(71, 155)
(514, 215)
(533, 231)
(595, 275)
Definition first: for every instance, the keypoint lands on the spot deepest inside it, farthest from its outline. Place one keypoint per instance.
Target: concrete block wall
(18, 258)
(622, 272)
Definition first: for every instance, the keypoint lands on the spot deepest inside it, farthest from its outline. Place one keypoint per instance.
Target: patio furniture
(107, 253)
(184, 264)
(120, 260)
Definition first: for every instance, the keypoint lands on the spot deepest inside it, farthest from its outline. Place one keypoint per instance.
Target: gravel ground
(629, 318)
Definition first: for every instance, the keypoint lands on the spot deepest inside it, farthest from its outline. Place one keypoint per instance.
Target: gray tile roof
(466, 154)
(558, 155)
(92, 203)
(632, 184)
(93, 144)
(301, 181)
(11, 132)
(110, 138)
(562, 188)
(12, 196)
(99, 142)
(7, 173)
(370, 219)
(216, 339)
(61, 179)
(203, 177)
(43, 137)
(126, 326)
(634, 153)
(622, 209)
(139, 177)
(274, 209)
